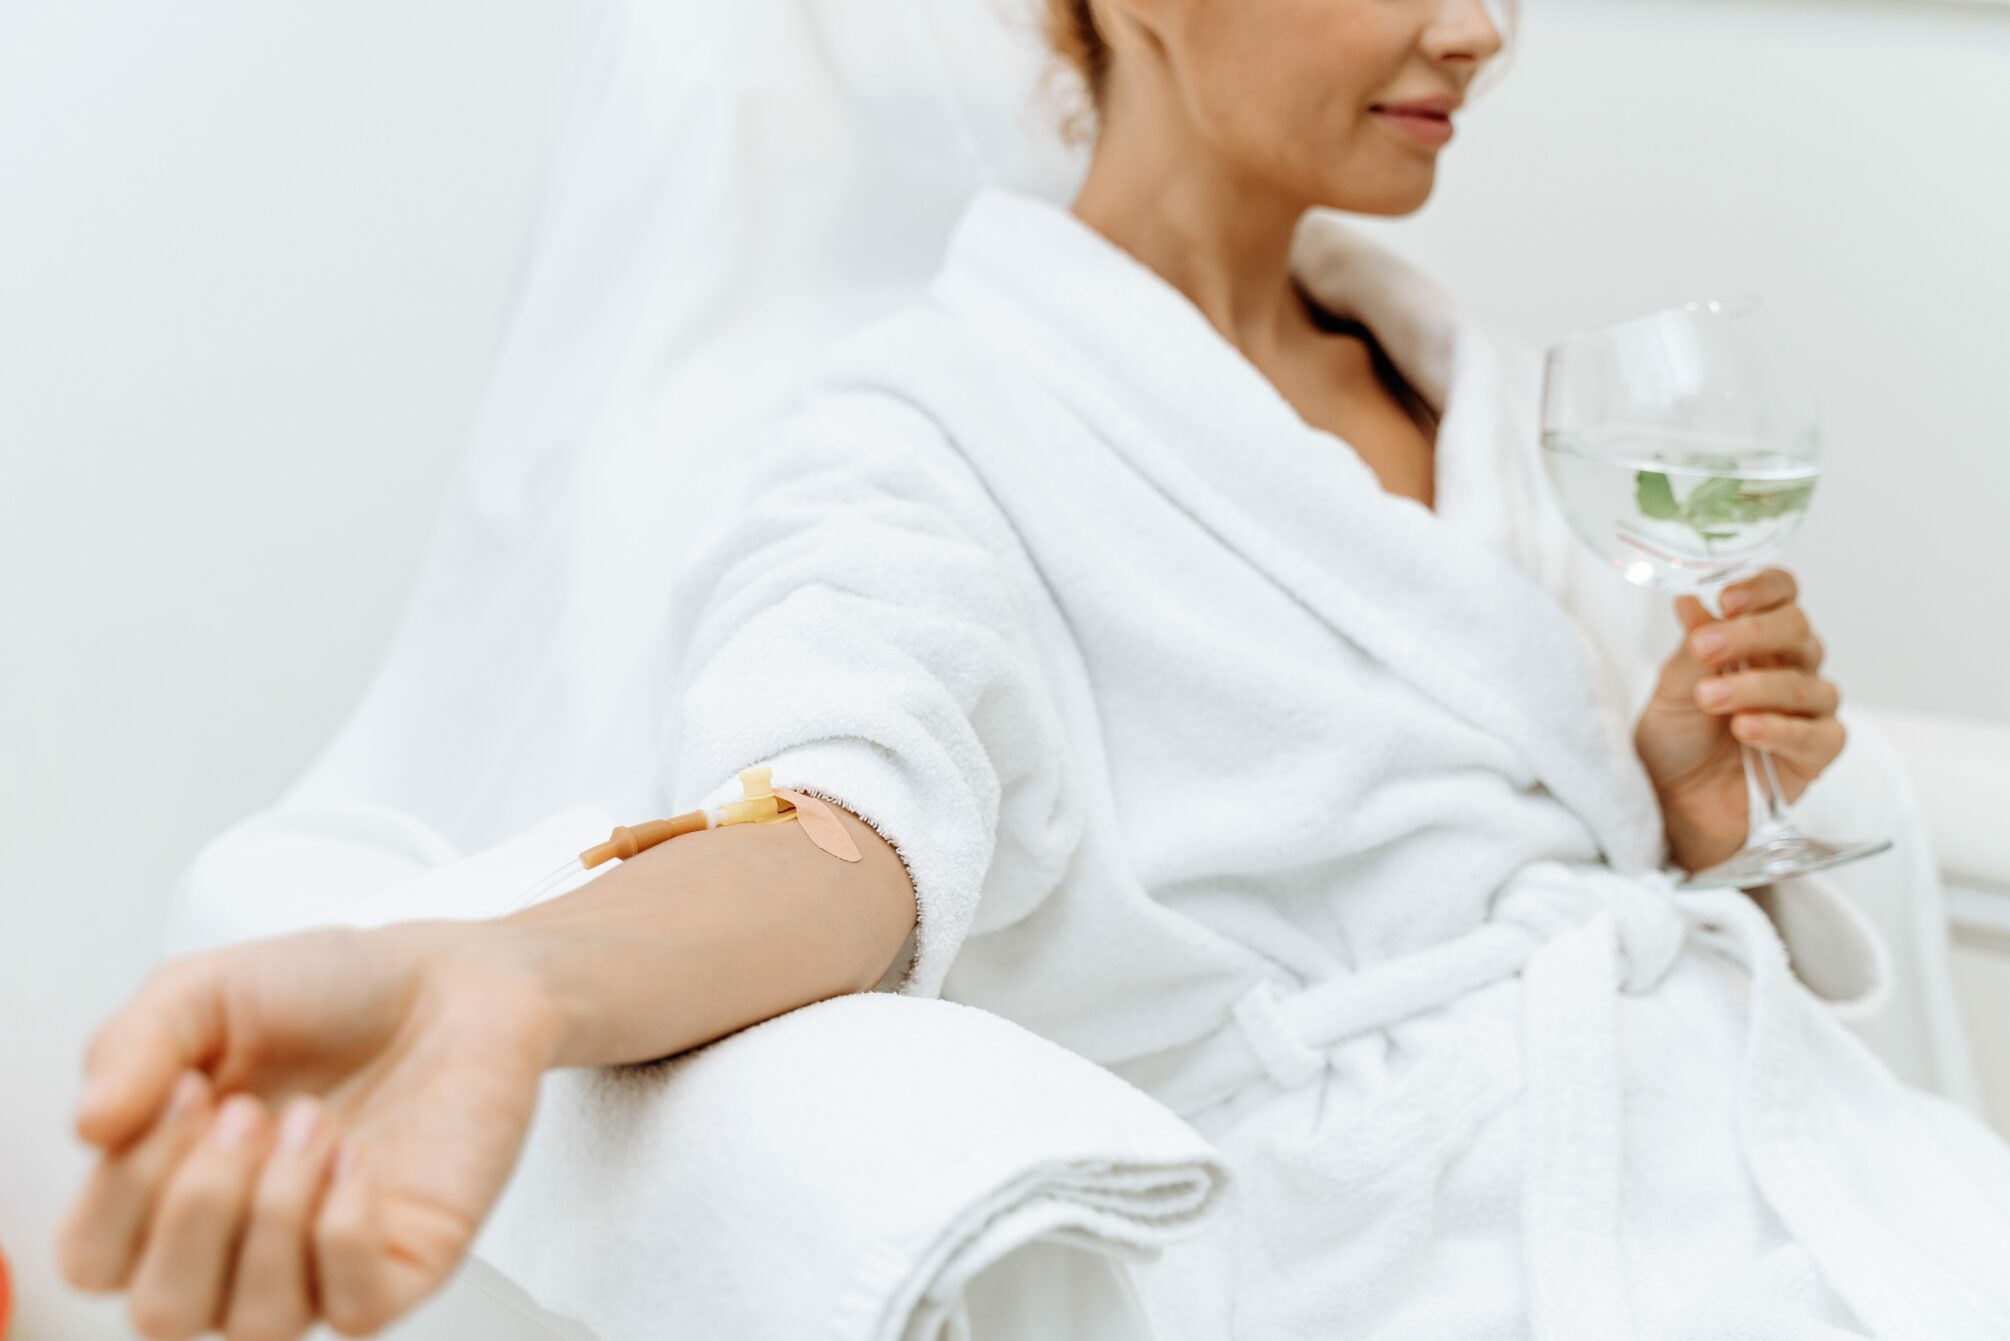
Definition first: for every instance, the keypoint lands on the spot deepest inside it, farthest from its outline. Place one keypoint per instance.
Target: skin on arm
(313, 1127)
(707, 934)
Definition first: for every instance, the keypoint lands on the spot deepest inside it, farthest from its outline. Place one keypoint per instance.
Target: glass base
(1777, 858)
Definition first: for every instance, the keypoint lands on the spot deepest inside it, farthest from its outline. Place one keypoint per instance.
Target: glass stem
(1767, 809)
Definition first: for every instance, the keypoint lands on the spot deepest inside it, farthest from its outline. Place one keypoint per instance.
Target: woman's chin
(1393, 199)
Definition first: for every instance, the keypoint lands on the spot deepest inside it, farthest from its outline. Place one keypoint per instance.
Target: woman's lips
(1428, 128)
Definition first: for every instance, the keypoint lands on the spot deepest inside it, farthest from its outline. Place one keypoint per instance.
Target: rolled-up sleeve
(1835, 950)
(863, 629)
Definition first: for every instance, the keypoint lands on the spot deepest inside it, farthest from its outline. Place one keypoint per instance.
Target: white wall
(253, 258)
(1847, 158)
(253, 262)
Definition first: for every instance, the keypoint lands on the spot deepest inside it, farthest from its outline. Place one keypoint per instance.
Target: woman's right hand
(305, 1128)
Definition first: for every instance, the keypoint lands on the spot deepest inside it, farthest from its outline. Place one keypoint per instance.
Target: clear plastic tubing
(549, 883)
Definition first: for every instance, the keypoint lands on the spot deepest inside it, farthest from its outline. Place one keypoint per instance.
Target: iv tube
(548, 884)
(763, 804)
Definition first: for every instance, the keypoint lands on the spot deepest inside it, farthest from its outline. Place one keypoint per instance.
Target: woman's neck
(1222, 240)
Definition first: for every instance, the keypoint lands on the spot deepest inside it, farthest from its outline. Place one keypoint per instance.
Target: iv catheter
(761, 803)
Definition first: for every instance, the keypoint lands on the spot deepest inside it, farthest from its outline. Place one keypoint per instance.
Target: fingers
(1764, 591)
(272, 1296)
(1779, 636)
(102, 1237)
(366, 1280)
(184, 1271)
(1691, 612)
(1682, 671)
(349, 1250)
(171, 1024)
(1778, 691)
(1809, 744)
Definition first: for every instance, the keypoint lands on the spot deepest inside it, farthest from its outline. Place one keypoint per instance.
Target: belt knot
(1289, 1030)
(1550, 898)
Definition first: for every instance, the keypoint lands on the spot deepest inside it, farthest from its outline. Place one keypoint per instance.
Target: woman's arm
(418, 1048)
(867, 633)
(704, 935)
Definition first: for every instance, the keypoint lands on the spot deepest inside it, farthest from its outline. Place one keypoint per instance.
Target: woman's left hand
(1688, 735)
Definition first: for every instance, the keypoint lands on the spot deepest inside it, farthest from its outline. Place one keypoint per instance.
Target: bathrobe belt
(1545, 924)
(1578, 936)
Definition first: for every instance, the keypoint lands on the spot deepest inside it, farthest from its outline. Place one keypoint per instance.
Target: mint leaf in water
(1720, 502)
(1782, 496)
(1725, 501)
(1655, 496)
(1715, 502)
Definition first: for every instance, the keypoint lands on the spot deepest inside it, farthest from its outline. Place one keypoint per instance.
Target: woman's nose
(1468, 30)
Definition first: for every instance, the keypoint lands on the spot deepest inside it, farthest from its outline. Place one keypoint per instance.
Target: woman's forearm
(704, 935)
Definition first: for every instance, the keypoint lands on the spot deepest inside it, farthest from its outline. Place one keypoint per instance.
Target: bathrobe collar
(1447, 598)
(1066, 270)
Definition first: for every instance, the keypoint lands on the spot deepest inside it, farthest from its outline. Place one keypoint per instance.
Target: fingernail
(296, 1129)
(187, 1091)
(1734, 600)
(235, 1122)
(1709, 642)
(1714, 693)
(349, 1158)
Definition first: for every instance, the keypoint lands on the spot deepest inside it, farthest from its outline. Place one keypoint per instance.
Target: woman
(1175, 596)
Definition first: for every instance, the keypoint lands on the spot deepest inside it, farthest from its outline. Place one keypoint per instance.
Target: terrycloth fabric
(843, 1171)
(1313, 810)
(803, 161)
(851, 1170)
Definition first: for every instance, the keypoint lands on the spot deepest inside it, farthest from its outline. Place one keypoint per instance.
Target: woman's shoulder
(900, 390)
(914, 355)
(874, 425)
(884, 379)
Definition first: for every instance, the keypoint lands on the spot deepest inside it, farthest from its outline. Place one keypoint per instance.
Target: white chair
(740, 184)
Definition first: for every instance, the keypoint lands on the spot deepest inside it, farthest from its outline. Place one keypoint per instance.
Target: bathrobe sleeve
(864, 627)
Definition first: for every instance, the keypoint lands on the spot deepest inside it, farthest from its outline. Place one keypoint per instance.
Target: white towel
(847, 1170)
(842, 1171)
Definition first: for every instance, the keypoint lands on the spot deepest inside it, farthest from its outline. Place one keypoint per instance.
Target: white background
(254, 260)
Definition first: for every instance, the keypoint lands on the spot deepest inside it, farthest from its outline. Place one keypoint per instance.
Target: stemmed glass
(1684, 448)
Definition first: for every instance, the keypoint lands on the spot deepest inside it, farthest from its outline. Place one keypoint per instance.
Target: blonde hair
(1071, 30)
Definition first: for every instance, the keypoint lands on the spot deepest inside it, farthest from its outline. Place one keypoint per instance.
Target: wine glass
(1685, 449)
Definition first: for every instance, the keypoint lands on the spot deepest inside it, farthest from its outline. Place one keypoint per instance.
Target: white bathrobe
(1312, 811)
